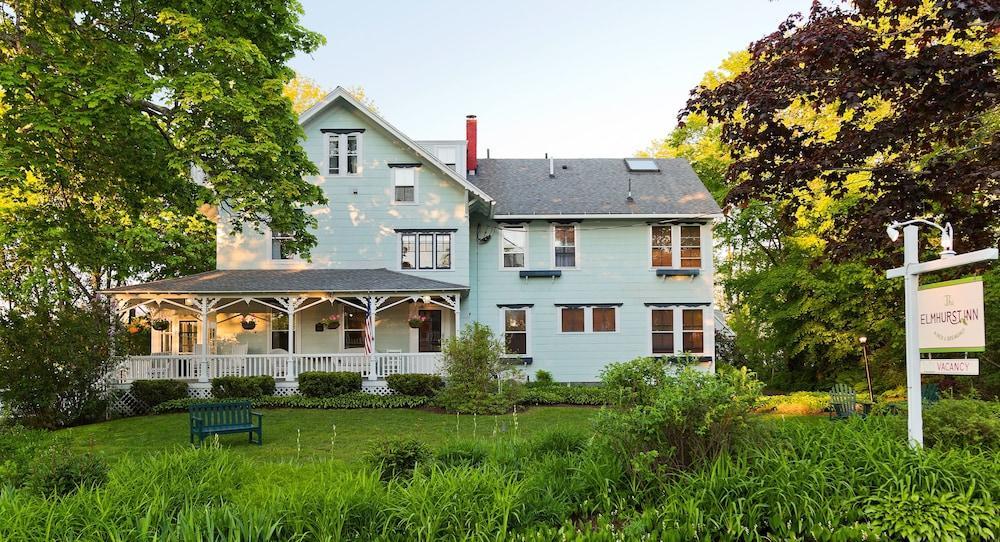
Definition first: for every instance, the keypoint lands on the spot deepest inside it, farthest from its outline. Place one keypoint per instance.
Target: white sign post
(911, 271)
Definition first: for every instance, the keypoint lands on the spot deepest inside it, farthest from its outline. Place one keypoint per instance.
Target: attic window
(641, 164)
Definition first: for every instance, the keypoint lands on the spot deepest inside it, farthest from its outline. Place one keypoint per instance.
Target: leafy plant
(415, 384)
(543, 377)
(349, 400)
(800, 402)
(59, 473)
(562, 395)
(396, 458)
(963, 423)
(154, 392)
(924, 516)
(227, 387)
(659, 419)
(318, 384)
(476, 376)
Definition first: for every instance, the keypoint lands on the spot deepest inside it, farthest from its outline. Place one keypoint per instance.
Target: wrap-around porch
(202, 331)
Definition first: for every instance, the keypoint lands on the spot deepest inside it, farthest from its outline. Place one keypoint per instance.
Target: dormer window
(343, 151)
(448, 155)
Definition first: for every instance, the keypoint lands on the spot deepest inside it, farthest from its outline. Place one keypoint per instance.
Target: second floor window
(514, 246)
(684, 242)
(404, 180)
(662, 246)
(564, 244)
(343, 154)
(280, 246)
(691, 246)
(419, 250)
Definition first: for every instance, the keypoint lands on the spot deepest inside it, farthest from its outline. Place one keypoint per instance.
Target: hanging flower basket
(133, 329)
(417, 321)
(248, 322)
(331, 322)
(160, 324)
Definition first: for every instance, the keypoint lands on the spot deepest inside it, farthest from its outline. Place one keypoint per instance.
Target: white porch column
(458, 314)
(203, 362)
(372, 358)
(291, 304)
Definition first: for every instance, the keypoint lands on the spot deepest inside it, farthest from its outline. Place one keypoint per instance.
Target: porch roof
(243, 281)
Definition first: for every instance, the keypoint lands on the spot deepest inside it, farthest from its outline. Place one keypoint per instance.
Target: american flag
(369, 338)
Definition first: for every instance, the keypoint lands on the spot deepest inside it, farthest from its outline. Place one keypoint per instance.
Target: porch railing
(189, 367)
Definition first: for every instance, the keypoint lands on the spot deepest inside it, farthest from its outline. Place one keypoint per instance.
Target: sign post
(910, 271)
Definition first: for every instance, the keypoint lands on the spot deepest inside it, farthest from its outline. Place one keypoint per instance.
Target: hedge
(415, 384)
(562, 395)
(348, 401)
(229, 387)
(317, 384)
(154, 392)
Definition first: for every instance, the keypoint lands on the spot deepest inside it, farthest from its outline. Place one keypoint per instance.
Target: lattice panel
(199, 392)
(378, 388)
(287, 391)
(122, 403)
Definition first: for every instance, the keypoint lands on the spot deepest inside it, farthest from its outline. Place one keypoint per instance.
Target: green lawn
(297, 434)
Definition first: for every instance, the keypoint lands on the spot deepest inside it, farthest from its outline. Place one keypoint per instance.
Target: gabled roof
(591, 187)
(340, 93)
(240, 281)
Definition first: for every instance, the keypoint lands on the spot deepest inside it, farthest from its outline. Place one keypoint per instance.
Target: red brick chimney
(471, 163)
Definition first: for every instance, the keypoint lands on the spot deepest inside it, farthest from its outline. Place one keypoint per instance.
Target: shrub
(675, 421)
(800, 402)
(562, 395)
(556, 441)
(20, 449)
(957, 423)
(315, 384)
(396, 457)
(478, 381)
(463, 453)
(59, 473)
(923, 516)
(228, 387)
(51, 363)
(355, 399)
(543, 377)
(414, 384)
(154, 392)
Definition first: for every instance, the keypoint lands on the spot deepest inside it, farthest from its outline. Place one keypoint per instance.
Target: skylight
(641, 164)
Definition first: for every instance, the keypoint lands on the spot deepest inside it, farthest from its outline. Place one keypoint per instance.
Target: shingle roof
(291, 280)
(592, 186)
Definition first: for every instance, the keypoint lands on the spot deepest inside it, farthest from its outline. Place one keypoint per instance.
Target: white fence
(190, 367)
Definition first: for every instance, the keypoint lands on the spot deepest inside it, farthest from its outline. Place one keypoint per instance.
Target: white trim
(675, 245)
(707, 329)
(342, 155)
(527, 235)
(343, 94)
(583, 216)
(576, 245)
(527, 330)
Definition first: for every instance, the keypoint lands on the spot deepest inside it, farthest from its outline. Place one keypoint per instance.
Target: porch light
(426, 299)
(947, 234)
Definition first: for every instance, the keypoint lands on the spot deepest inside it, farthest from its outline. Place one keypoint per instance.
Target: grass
(302, 434)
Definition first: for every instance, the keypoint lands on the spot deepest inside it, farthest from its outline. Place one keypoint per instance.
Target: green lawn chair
(930, 393)
(843, 400)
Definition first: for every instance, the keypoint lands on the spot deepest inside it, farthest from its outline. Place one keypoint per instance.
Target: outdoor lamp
(947, 234)
(862, 339)
(892, 231)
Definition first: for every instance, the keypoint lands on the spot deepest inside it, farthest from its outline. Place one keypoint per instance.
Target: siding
(356, 228)
(613, 267)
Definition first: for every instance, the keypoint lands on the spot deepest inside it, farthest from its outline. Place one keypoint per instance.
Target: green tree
(110, 106)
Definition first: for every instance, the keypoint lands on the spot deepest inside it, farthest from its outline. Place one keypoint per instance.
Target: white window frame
(576, 246)
(345, 329)
(675, 246)
(395, 184)
(527, 235)
(707, 318)
(588, 319)
(680, 245)
(416, 250)
(271, 237)
(527, 331)
(341, 142)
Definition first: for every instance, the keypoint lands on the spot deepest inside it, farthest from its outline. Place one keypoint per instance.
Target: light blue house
(576, 263)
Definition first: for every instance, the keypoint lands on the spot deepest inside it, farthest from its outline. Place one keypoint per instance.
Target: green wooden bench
(222, 418)
(843, 401)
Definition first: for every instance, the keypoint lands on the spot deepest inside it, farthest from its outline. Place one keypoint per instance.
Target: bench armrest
(196, 422)
(258, 415)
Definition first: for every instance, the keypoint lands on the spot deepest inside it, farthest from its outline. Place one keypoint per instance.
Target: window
(405, 179)
(641, 164)
(187, 337)
(564, 242)
(343, 153)
(694, 334)
(514, 246)
(573, 320)
(420, 250)
(354, 328)
(279, 331)
(429, 333)
(663, 331)
(604, 320)
(661, 245)
(166, 340)
(280, 249)
(515, 325)
(597, 319)
(691, 246)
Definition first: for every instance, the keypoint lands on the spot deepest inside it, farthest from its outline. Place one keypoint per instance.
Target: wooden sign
(956, 367)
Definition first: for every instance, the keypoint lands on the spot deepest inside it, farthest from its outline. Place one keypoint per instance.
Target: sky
(575, 79)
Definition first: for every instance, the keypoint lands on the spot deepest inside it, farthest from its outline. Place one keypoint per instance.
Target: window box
(553, 273)
(678, 272)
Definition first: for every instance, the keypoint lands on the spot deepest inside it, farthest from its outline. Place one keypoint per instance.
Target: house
(574, 262)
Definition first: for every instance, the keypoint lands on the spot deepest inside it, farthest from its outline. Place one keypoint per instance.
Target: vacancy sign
(951, 316)
(958, 367)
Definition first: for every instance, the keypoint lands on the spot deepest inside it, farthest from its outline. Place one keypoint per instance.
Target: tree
(110, 106)
(303, 92)
(844, 121)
